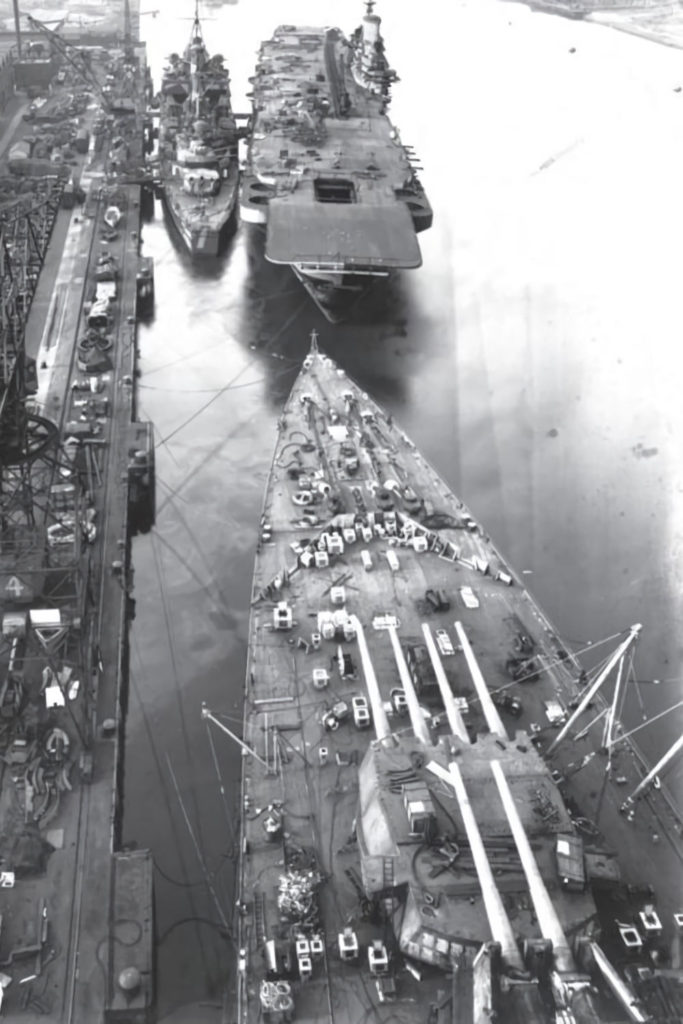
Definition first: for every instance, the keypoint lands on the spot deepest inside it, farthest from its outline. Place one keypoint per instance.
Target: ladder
(259, 912)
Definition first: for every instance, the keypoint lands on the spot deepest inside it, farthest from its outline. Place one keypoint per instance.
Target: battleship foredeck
(408, 849)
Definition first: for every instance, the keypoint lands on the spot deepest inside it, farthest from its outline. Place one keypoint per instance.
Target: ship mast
(196, 54)
(17, 26)
(652, 774)
(593, 689)
(127, 34)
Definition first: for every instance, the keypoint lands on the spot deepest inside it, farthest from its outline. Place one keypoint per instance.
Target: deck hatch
(334, 190)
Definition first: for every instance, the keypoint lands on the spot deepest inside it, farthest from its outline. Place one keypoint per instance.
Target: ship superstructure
(409, 853)
(327, 173)
(198, 137)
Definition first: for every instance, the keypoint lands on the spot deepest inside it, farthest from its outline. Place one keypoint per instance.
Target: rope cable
(198, 851)
(228, 815)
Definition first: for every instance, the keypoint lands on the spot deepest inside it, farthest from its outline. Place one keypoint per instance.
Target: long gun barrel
(457, 726)
(499, 922)
(548, 921)
(379, 716)
(414, 710)
(487, 706)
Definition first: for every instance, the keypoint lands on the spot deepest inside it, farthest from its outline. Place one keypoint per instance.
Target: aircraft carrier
(327, 173)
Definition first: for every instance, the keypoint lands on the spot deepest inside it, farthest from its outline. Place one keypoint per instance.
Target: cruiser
(198, 147)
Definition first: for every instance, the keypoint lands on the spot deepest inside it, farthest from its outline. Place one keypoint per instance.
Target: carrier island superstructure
(326, 171)
(432, 830)
(76, 482)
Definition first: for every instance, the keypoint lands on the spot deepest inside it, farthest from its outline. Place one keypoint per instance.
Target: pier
(76, 484)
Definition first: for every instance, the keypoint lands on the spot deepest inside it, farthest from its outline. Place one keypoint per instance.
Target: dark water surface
(534, 358)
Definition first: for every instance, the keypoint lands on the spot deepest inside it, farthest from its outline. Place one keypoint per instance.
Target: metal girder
(25, 227)
(34, 559)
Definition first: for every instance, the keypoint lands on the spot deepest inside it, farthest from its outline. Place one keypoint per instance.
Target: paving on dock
(76, 941)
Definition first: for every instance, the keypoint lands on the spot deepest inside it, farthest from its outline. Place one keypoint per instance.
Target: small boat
(198, 138)
(112, 216)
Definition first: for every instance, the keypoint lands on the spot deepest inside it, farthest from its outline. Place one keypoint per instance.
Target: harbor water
(535, 358)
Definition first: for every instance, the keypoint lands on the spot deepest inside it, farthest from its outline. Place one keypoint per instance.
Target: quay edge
(77, 940)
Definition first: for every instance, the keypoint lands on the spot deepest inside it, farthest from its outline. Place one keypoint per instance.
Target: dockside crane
(118, 102)
(25, 436)
(78, 61)
(71, 54)
(43, 576)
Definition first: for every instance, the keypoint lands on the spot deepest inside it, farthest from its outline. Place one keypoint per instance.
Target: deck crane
(595, 686)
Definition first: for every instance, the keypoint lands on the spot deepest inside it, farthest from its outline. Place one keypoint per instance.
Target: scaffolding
(45, 587)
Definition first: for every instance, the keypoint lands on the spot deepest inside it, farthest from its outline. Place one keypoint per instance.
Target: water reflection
(533, 353)
(217, 363)
(283, 316)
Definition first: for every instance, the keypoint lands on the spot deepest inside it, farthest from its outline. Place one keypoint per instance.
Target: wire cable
(228, 815)
(198, 851)
(162, 780)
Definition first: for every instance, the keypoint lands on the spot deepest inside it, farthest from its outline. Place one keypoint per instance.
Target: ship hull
(198, 161)
(338, 295)
(348, 898)
(201, 239)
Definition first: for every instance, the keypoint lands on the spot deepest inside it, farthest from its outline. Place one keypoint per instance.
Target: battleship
(442, 818)
(76, 484)
(326, 171)
(198, 160)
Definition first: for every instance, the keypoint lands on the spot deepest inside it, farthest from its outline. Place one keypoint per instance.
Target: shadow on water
(474, 378)
(217, 365)
(373, 346)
